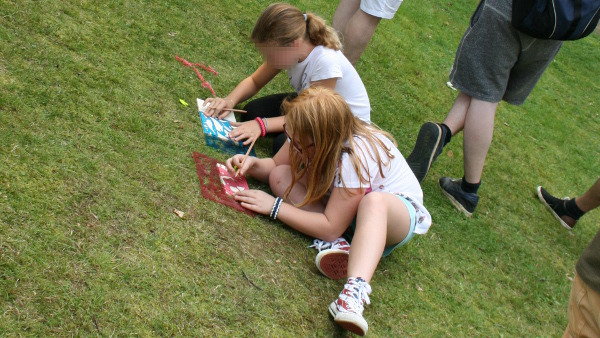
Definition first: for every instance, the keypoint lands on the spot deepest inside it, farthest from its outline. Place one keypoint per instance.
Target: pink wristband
(263, 130)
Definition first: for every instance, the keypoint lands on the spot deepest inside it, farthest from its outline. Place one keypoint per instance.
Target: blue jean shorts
(411, 232)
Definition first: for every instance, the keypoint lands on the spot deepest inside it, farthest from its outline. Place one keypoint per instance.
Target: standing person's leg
(358, 34)
(568, 210)
(489, 74)
(344, 11)
(356, 21)
(478, 129)
(477, 138)
(455, 120)
(433, 137)
(590, 199)
(583, 311)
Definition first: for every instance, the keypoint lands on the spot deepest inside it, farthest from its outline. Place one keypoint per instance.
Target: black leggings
(267, 106)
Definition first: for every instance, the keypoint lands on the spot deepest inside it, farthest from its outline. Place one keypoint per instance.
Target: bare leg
(590, 199)
(455, 120)
(431, 138)
(477, 137)
(382, 220)
(344, 11)
(358, 33)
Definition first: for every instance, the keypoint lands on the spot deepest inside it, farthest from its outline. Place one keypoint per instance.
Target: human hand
(234, 164)
(216, 107)
(248, 131)
(255, 200)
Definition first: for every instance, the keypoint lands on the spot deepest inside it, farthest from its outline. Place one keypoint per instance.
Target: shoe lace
(355, 294)
(321, 245)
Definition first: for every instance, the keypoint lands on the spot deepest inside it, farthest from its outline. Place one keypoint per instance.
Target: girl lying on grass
(344, 176)
(309, 51)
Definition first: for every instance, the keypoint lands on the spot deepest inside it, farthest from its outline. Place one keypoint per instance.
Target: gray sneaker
(463, 201)
(429, 145)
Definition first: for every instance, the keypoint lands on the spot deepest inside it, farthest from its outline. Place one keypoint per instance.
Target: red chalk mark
(205, 83)
(206, 68)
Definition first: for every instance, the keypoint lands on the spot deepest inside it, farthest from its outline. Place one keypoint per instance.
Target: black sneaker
(556, 206)
(429, 145)
(463, 201)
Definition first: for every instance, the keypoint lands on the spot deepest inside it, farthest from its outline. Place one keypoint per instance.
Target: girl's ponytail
(283, 23)
(321, 34)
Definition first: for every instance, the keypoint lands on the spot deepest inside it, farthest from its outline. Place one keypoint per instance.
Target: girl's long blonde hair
(283, 23)
(320, 115)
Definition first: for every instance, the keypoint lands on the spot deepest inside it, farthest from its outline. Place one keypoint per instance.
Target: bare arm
(329, 225)
(243, 91)
(339, 212)
(253, 83)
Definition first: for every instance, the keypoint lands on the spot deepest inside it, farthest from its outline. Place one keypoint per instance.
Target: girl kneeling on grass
(340, 167)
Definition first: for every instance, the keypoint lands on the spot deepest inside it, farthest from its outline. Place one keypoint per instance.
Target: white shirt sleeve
(326, 66)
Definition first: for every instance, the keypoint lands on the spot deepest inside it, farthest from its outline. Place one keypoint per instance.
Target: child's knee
(372, 202)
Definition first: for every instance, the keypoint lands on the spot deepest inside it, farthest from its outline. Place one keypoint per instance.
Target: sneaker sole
(333, 263)
(455, 203)
(541, 198)
(428, 154)
(333, 309)
(351, 322)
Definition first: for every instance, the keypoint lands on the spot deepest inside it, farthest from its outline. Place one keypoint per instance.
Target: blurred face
(279, 57)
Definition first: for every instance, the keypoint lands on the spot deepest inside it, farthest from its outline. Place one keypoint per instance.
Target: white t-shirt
(397, 177)
(325, 63)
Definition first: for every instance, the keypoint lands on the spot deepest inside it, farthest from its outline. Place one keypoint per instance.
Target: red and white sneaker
(332, 259)
(348, 308)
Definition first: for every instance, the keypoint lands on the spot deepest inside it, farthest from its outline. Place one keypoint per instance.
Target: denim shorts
(411, 232)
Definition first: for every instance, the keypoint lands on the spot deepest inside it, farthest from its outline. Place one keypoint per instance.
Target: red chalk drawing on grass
(213, 185)
(205, 83)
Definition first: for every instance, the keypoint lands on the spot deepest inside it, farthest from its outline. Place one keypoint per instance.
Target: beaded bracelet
(263, 131)
(275, 208)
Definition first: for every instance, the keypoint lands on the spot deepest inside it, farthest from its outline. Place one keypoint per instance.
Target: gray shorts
(496, 62)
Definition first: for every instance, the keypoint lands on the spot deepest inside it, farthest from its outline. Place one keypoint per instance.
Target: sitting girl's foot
(348, 308)
(332, 259)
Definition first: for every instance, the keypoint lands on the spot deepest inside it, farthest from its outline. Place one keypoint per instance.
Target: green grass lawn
(95, 153)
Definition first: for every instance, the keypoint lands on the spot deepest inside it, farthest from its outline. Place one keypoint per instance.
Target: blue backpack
(556, 19)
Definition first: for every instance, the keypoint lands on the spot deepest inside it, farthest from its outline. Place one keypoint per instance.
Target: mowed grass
(95, 154)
